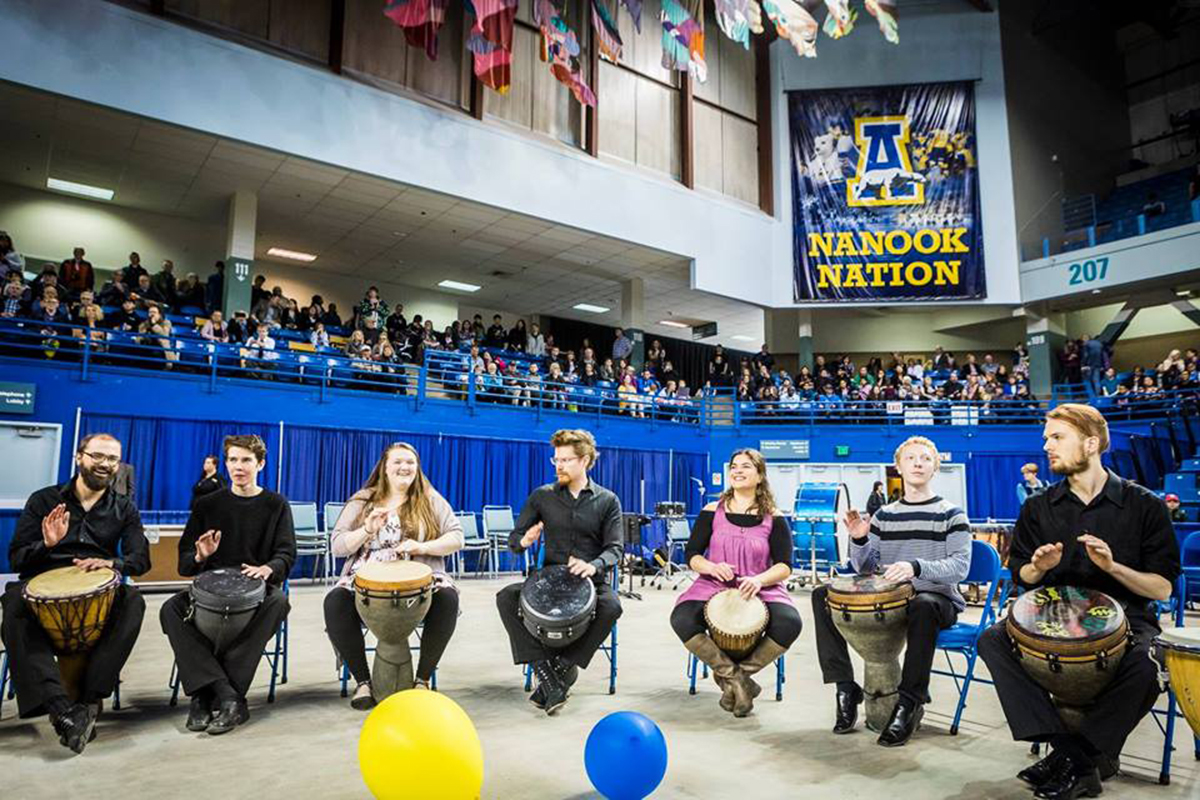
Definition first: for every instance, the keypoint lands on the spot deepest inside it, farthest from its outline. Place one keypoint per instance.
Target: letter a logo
(884, 176)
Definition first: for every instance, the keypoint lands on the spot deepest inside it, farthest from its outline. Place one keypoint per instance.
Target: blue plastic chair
(963, 637)
(1189, 557)
(610, 649)
(6, 691)
(276, 656)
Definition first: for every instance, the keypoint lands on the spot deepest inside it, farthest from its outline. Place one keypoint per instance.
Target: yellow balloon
(420, 745)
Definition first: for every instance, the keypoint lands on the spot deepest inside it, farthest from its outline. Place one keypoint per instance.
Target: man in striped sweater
(920, 537)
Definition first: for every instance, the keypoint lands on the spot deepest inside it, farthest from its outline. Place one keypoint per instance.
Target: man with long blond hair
(920, 538)
(580, 522)
(1093, 530)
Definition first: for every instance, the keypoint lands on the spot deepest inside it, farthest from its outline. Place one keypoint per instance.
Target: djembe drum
(223, 603)
(72, 606)
(872, 616)
(734, 623)
(1070, 641)
(1177, 650)
(556, 606)
(392, 597)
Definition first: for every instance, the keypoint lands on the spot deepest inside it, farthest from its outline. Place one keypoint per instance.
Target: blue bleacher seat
(1181, 482)
(1190, 465)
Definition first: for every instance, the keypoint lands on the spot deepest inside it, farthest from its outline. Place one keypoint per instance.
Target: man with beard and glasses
(581, 522)
(86, 524)
(1093, 530)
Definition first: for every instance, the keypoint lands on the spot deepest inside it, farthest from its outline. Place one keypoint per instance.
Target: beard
(1070, 464)
(95, 481)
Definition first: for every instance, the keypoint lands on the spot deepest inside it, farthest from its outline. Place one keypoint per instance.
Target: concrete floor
(304, 745)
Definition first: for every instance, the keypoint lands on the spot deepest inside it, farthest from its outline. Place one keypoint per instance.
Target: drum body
(872, 616)
(734, 623)
(72, 606)
(1178, 651)
(556, 606)
(392, 597)
(1070, 641)
(223, 603)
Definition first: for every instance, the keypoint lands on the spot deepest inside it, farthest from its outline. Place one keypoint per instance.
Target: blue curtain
(1146, 458)
(167, 454)
(689, 466)
(992, 480)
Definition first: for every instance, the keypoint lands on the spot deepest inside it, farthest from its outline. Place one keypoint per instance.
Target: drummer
(922, 538)
(240, 526)
(1094, 530)
(581, 522)
(396, 515)
(85, 523)
(742, 542)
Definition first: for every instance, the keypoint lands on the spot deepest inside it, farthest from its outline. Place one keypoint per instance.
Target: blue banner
(885, 194)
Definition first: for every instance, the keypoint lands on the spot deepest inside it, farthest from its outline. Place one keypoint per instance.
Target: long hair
(764, 499)
(416, 512)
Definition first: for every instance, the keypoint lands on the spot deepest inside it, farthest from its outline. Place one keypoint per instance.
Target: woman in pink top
(396, 515)
(739, 542)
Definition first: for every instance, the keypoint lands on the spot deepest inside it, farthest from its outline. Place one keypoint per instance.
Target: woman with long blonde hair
(739, 542)
(397, 514)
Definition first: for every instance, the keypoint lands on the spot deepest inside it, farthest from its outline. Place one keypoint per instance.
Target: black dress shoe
(538, 696)
(1037, 774)
(903, 722)
(230, 714)
(76, 727)
(847, 709)
(566, 671)
(199, 713)
(1071, 780)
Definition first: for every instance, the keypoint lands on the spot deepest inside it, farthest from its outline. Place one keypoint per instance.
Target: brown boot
(763, 654)
(725, 672)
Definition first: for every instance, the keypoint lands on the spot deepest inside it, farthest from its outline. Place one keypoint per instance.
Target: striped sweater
(933, 534)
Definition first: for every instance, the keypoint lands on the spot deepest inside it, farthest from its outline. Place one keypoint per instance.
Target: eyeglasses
(562, 462)
(100, 458)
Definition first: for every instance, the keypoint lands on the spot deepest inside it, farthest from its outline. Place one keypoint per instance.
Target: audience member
(10, 259)
(76, 273)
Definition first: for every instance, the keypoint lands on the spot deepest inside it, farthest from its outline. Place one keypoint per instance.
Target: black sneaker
(554, 694)
(199, 713)
(76, 727)
(538, 696)
(566, 671)
(230, 714)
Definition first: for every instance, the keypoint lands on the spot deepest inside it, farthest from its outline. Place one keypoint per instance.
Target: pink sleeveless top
(747, 549)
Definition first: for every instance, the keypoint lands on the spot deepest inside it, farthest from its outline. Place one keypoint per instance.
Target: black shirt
(111, 529)
(587, 527)
(206, 485)
(254, 530)
(1131, 519)
(779, 540)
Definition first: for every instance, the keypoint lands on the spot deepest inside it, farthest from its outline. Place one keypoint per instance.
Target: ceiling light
(462, 287)
(79, 188)
(294, 255)
(670, 323)
(589, 307)
(742, 338)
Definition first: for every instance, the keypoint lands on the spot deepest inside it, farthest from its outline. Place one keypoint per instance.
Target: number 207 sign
(1094, 270)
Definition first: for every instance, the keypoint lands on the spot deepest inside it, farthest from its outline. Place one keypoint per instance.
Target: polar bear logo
(884, 183)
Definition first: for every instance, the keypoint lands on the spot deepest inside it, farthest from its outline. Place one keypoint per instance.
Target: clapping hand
(857, 525)
(532, 535)
(54, 525)
(207, 544)
(1046, 557)
(1098, 551)
(375, 521)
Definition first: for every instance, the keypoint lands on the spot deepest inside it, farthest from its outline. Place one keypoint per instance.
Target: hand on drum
(749, 587)
(722, 572)
(92, 564)
(857, 525)
(577, 566)
(532, 535)
(54, 525)
(411, 547)
(900, 571)
(207, 544)
(1046, 557)
(1098, 551)
(262, 572)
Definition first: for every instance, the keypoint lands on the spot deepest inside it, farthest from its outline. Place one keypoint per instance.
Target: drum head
(1183, 639)
(393, 576)
(1057, 613)
(554, 593)
(864, 584)
(67, 582)
(227, 589)
(729, 612)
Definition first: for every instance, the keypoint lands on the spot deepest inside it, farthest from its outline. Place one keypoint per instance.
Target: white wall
(945, 40)
(1156, 321)
(106, 54)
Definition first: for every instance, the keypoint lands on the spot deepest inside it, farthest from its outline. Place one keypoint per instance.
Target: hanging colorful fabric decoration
(794, 23)
(739, 18)
(634, 7)
(841, 18)
(608, 36)
(420, 20)
(561, 49)
(490, 41)
(683, 37)
(885, 11)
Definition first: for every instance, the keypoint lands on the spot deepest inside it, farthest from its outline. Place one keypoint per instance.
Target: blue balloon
(626, 756)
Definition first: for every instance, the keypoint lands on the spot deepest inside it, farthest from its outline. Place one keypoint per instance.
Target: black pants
(783, 621)
(1116, 711)
(199, 667)
(526, 647)
(35, 675)
(345, 630)
(928, 613)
